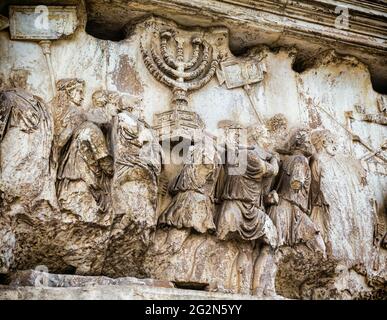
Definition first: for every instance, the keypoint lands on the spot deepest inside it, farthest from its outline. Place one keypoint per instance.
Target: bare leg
(265, 270)
(244, 269)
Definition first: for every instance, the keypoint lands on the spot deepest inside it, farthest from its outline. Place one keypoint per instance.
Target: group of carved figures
(106, 162)
(77, 145)
(267, 203)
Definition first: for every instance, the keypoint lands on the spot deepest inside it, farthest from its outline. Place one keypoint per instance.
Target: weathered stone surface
(37, 23)
(350, 27)
(165, 156)
(33, 278)
(132, 292)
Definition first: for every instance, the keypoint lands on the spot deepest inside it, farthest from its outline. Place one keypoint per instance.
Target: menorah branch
(179, 74)
(173, 71)
(163, 66)
(195, 57)
(151, 66)
(166, 56)
(202, 82)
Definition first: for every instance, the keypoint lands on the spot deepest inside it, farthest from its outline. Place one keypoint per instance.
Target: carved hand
(272, 198)
(296, 184)
(106, 165)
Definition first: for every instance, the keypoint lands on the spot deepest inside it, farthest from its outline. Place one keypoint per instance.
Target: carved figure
(324, 143)
(86, 166)
(84, 187)
(242, 213)
(27, 175)
(137, 160)
(68, 113)
(291, 215)
(83, 173)
(193, 190)
(26, 135)
(340, 202)
(242, 210)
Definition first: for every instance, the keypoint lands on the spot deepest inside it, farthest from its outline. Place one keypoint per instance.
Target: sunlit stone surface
(227, 150)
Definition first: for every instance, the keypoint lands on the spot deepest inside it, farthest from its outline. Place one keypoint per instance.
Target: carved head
(100, 98)
(73, 89)
(132, 104)
(277, 123)
(324, 140)
(258, 134)
(300, 141)
(112, 102)
(107, 102)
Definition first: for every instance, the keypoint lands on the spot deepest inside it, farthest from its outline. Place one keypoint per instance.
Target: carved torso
(249, 187)
(80, 161)
(295, 169)
(136, 147)
(26, 145)
(193, 188)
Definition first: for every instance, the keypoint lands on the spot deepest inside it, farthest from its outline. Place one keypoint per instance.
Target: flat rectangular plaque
(239, 73)
(42, 22)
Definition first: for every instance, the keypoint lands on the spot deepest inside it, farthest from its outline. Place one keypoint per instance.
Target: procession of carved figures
(95, 187)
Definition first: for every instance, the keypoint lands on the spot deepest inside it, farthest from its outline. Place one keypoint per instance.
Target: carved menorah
(177, 74)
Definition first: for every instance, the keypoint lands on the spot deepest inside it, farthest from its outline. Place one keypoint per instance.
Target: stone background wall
(333, 82)
(339, 84)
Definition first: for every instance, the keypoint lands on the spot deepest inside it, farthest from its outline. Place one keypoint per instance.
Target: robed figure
(291, 214)
(193, 190)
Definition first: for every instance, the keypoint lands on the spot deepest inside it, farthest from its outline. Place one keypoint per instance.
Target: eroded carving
(259, 216)
(137, 161)
(68, 113)
(291, 214)
(242, 212)
(333, 199)
(193, 190)
(83, 176)
(137, 167)
(26, 135)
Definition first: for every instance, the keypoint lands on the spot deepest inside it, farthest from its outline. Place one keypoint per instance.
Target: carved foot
(264, 293)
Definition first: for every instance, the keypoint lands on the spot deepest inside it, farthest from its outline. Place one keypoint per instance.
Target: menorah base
(174, 125)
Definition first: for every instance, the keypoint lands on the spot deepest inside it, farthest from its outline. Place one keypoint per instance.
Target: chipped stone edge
(119, 292)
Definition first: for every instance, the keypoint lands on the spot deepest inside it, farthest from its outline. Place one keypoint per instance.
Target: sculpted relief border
(100, 191)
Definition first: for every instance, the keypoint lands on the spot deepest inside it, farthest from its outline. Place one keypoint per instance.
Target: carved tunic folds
(26, 134)
(136, 148)
(242, 212)
(193, 189)
(85, 188)
(82, 186)
(137, 167)
(290, 215)
(326, 192)
(335, 195)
